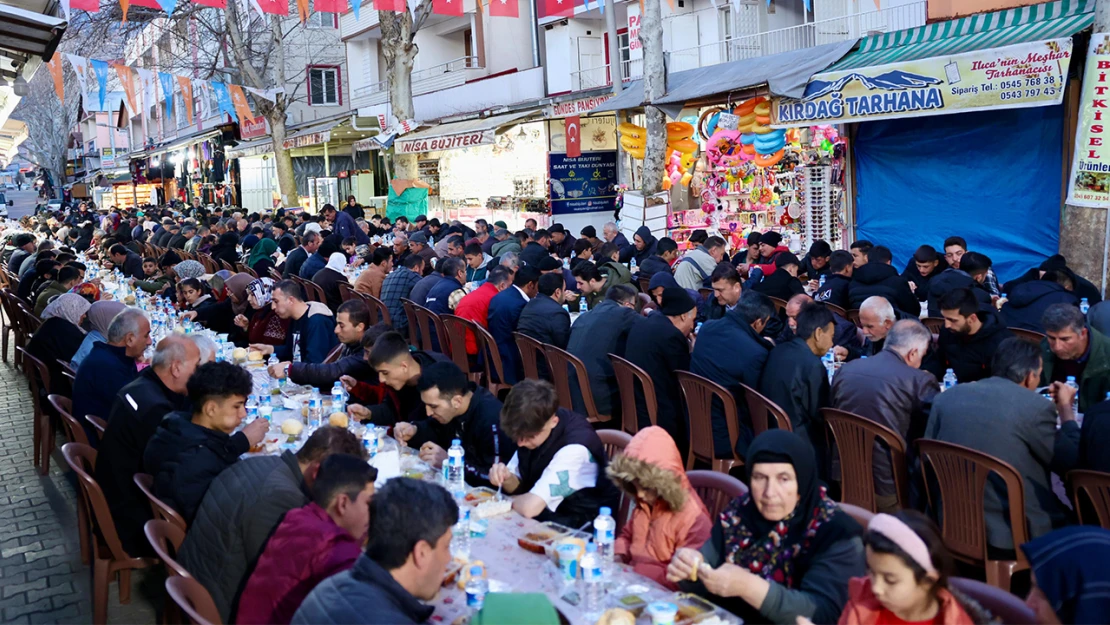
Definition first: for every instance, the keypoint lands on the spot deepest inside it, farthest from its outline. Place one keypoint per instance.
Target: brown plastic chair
(428, 320)
(716, 490)
(275, 275)
(99, 424)
(414, 327)
(333, 355)
(627, 376)
(166, 538)
(855, 437)
(38, 379)
(457, 329)
(346, 291)
(76, 434)
(614, 441)
(531, 351)
(705, 293)
(314, 292)
(935, 324)
(194, 600)
(1027, 335)
(227, 265)
(644, 282)
(241, 268)
(837, 309)
(762, 411)
(861, 516)
(109, 558)
(378, 309)
(1095, 485)
(494, 369)
(699, 393)
(961, 476)
(780, 304)
(210, 265)
(1002, 605)
(161, 509)
(7, 322)
(65, 385)
(853, 316)
(562, 362)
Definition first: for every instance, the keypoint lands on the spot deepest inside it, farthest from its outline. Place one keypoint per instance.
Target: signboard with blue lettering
(584, 184)
(1017, 76)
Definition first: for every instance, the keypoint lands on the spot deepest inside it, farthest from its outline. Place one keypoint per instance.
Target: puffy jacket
(479, 431)
(49, 291)
(236, 517)
(311, 265)
(949, 280)
(532, 253)
(769, 267)
(315, 332)
(835, 291)
(345, 226)
(184, 458)
(615, 273)
(649, 245)
(511, 244)
(969, 355)
(324, 375)
(781, 285)
(100, 377)
(686, 270)
(883, 280)
(651, 266)
(306, 548)
(475, 307)
(1027, 302)
(678, 518)
(913, 275)
(479, 274)
(1083, 287)
(366, 594)
(864, 608)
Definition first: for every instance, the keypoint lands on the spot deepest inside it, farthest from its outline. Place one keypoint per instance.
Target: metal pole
(616, 68)
(535, 34)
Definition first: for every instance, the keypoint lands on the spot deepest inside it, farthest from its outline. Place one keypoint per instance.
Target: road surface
(25, 202)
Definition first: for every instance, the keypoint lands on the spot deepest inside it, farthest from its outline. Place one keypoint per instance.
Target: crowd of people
(304, 537)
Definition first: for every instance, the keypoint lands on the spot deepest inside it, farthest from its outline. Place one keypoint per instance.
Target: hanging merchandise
(765, 145)
(681, 159)
(633, 139)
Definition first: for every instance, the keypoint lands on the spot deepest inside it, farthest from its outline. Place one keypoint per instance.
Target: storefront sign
(1089, 184)
(575, 107)
(435, 144)
(301, 141)
(599, 134)
(635, 49)
(584, 184)
(253, 128)
(107, 157)
(1017, 76)
(365, 145)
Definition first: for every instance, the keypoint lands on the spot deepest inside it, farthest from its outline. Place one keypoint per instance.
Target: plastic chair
(76, 434)
(627, 376)
(68, 377)
(378, 309)
(275, 275)
(194, 600)
(614, 441)
(837, 309)
(860, 515)
(161, 509)
(780, 304)
(1002, 605)
(166, 538)
(853, 316)
(429, 321)
(227, 265)
(414, 327)
(762, 411)
(333, 355)
(699, 393)
(109, 558)
(1029, 336)
(562, 362)
(346, 291)
(961, 476)
(531, 351)
(716, 490)
(99, 424)
(314, 292)
(457, 329)
(1096, 486)
(210, 265)
(38, 379)
(934, 324)
(494, 369)
(855, 438)
(7, 322)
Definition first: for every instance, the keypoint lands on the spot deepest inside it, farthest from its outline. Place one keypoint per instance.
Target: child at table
(668, 515)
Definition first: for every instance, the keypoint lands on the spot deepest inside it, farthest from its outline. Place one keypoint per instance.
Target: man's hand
(913, 286)
(403, 432)
(279, 370)
(499, 474)
(348, 382)
(261, 347)
(190, 315)
(570, 296)
(433, 454)
(358, 411)
(840, 352)
(1063, 395)
(256, 431)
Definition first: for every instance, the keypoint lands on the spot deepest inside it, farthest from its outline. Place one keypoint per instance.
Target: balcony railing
(443, 76)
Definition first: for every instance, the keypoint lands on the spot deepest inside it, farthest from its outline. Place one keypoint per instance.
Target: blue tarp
(991, 177)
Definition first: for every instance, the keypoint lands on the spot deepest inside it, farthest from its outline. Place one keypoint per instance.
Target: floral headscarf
(88, 290)
(188, 269)
(262, 289)
(68, 306)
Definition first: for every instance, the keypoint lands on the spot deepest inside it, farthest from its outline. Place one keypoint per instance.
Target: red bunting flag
(275, 7)
(216, 4)
(331, 6)
(398, 6)
(504, 8)
(92, 6)
(558, 8)
(453, 8)
(573, 134)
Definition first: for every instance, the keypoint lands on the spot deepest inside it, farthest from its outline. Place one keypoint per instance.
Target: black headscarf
(782, 551)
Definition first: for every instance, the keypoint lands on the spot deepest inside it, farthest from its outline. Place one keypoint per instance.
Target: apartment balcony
(436, 78)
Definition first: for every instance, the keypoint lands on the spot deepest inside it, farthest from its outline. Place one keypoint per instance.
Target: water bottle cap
(456, 441)
(950, 371)
(1071, 378)
(475, 571)
(606, 510)
(591, 547)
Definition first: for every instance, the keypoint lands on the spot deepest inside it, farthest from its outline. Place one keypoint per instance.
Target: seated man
(835, 289)
(922, 268)
(846, 342)
(878, 277)
(970, 336)
(543, 317)
(876, 318)
(457, 409)
(783, 283)
(967, 271)
(727, 288)
(595, 335)
(1029, 300)
(111, 365)
(351, 321)
(405, 561)
(1005, 417)
(558, 470)
(666, 252)
(399, 369)
(312, 543)
(504, 315)
(189, 450)
(311, 334)
(1074, 349)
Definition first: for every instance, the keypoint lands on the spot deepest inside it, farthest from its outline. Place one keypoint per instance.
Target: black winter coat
(949, 280)
(411, 406)
(57, 339)
(649, 245)
(835, 291)
(1094, 439)
(795, 379)
(969, 355)
(781, 285)
(323, 375)
(1028, 301)
(367, 594)
(883, 280)
(545, 320)
(184, 458)
(913, 275)
(533, 253)
(652, 265)
(293, 261)
(479, 431)
(595, 335)
(102, 374)
(658, 347)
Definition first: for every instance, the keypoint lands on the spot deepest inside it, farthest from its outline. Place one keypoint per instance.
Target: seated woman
(258, 323)
(261, 259)
(60, 336)
(329, 278)
(1070, 575)
(100, 316)
(783, 551)
(202, 307)
(669, 515)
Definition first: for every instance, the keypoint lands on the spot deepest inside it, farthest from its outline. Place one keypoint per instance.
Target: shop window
(323, 86)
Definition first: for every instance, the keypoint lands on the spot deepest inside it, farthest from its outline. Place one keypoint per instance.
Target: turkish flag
(573, 134)
(398, 6)
(504, 8)
(218, 4)
(454, 8)
(331, 6)
(92, 6)
(558, 8)
(275, 7)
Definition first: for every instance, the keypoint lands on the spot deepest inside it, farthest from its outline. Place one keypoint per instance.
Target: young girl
(907, 581)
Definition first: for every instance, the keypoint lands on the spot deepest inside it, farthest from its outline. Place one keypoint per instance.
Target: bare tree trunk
(655, 87)
(400, 51)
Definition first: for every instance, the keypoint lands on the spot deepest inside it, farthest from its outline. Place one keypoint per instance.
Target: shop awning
(182, 142)
(457, 134)
(312, 135)
(977, 32)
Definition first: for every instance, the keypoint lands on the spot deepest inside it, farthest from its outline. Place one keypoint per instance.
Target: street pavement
(25, 202)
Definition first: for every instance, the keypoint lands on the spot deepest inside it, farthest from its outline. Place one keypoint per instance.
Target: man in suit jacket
(543, 317)
(504, 314)
(596, 334)
(1003, 416)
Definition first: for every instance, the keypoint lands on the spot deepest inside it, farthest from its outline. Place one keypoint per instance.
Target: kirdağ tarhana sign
(1021, 75)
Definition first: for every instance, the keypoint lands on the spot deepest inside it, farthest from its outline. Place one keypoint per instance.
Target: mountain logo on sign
(894, 80)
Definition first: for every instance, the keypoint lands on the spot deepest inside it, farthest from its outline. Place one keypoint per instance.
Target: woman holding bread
(782, 551)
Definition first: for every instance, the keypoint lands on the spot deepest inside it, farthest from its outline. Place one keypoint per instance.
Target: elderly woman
(784, 550)
(100, 316)
(257, 322)
(60, 335)
(329, 278)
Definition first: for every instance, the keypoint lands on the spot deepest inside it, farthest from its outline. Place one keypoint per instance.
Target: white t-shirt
(571, 469)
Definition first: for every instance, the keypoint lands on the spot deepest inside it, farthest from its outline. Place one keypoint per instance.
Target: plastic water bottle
(632, 265)
(454, 470)
(821, 281)
(1075, 401)
(1084, 305)
(829, 360)
(460, 536)
(273, 360)
(605, 527)
(370, 440)
(476, 588)
(315, 410)
(566, 263)
(949, 380)
(593, 582)
(338, 398)
(297, 347)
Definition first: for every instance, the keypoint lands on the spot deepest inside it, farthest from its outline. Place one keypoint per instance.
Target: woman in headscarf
(84, 237)
(257, 322)
(88, 290)
(100, 316)
(225, 249)
(188, 269)
(329, 278)
(261, 259)
(782, 551)
(248, 242)
(60, 335)
(1070, 575)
